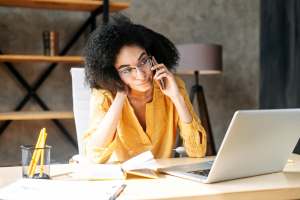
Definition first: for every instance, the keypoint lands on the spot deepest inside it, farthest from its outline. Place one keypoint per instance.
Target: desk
(285, 185)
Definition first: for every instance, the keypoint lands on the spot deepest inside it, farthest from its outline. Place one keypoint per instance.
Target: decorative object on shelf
(50, 43)
(203, 59)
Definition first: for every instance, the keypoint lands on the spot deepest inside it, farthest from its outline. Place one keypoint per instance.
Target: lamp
(203, 59)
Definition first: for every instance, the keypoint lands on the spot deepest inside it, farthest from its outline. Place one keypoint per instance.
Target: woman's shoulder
(101, 92)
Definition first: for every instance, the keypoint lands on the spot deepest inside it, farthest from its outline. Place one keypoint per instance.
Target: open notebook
(143, 165)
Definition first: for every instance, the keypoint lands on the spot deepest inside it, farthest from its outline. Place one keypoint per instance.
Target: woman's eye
(126, 71)
(143, 62)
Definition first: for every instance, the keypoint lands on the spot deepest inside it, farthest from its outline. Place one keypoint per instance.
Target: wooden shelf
(41, 58)
(71, 5)
(38, 115)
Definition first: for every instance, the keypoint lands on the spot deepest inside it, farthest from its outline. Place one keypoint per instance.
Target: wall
(233, 24)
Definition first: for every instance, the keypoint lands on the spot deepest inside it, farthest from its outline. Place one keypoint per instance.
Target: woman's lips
(140, 84)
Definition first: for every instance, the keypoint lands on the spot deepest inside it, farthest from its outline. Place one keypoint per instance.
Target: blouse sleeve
(193, 133)
(99, 105)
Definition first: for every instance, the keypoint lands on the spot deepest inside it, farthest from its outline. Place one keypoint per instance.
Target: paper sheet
(97, 172)
(35, 189)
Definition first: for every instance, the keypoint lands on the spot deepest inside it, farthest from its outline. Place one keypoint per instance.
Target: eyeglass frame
(137, 67)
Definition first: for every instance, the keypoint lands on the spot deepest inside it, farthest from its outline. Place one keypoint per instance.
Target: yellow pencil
(42, 154)
(40, 150)
(37, 152)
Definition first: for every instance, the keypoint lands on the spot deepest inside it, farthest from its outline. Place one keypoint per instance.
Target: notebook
(143, 165)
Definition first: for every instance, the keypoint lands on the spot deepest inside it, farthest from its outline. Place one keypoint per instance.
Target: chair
(81, 104)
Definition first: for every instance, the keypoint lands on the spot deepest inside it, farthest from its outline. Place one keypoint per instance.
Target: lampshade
(204, 58)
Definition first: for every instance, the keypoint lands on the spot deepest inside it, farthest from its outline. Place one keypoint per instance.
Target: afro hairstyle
(105, 43)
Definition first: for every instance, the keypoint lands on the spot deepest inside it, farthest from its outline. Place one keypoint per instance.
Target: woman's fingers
(160, 76)
(154, 60)
(158, 73)
(161, 70)
(158, 66)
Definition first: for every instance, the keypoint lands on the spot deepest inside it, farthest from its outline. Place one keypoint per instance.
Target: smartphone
(161, 81)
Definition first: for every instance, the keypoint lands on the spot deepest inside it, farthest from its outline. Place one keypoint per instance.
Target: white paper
(35, 189)
(97, 171)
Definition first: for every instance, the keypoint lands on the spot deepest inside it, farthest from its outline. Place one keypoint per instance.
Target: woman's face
(134, 67)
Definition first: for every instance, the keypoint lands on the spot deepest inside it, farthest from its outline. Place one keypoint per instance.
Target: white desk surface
(284, 185)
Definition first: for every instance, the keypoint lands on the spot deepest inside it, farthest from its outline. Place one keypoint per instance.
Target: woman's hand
(162, 73)
(124, 92)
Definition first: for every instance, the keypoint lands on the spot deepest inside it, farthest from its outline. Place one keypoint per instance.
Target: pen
(117, 192)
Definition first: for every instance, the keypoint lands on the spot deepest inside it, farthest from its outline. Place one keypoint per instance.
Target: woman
(136, 102)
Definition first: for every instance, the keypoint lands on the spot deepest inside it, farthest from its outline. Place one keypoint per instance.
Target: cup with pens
(36, 158)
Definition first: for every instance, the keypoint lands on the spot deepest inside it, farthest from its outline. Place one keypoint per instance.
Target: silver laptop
(256, 142)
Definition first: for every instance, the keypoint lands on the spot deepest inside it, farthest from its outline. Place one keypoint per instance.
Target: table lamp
(203, 59)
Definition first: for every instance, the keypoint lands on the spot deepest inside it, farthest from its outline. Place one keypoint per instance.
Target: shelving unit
(95, 7)
(41, 58)
(71, 5)
(38, 115)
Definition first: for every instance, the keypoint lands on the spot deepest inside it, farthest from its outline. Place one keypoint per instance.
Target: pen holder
(35, 162)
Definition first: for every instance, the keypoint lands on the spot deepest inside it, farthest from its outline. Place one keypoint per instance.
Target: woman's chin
(143, 88)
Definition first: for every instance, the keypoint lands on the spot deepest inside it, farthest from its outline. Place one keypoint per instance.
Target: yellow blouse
(160, 135)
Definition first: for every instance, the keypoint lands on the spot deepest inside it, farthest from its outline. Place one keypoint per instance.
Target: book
(143, 165)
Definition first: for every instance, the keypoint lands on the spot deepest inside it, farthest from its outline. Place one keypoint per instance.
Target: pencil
(42, 154)
(37, 152)
(36, 158)
(117, 192)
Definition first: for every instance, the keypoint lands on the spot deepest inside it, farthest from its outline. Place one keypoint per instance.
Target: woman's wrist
(177, 99)
(182, 109)
(121, 95)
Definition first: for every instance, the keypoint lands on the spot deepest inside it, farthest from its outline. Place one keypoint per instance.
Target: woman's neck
(143, 97)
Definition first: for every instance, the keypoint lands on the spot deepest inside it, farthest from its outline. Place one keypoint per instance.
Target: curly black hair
(105, 43)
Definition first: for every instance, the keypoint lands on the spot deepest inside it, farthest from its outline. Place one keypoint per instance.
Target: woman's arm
(193, 134)
(106, 129)
(171, 90)
(182, 109)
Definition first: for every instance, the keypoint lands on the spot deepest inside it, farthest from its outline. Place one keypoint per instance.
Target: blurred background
(237, 25)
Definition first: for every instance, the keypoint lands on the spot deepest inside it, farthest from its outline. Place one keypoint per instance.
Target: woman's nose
(140, 74)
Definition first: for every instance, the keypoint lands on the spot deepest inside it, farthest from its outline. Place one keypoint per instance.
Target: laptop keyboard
(202, 172)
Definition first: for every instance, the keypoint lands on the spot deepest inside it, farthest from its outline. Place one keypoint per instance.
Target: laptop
(256, 142)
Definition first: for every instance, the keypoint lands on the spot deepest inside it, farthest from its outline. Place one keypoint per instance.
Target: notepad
(143, 165)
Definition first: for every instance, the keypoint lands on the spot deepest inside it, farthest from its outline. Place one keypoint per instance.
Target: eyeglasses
(144, 65)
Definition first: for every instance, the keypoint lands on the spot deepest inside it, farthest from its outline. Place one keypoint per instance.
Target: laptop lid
(256, 142)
